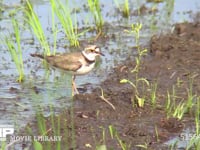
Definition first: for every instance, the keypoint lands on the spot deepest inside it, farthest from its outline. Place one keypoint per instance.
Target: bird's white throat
(89, 56)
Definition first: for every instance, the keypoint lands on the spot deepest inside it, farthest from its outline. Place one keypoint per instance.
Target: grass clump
(16, 51)
(94, 6)
(33, 20)
(62, 11)
(176, 106)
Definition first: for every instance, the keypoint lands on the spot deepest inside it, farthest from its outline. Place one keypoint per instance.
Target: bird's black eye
(91, 50)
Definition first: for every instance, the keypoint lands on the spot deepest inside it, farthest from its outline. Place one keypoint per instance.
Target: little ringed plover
(79, 63)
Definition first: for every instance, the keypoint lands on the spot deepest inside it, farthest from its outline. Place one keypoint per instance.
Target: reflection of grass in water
(54, 128)
(50, 126)
(168, 9)
(33, 20)
(56, 125)
(3, 145)
(16, 53)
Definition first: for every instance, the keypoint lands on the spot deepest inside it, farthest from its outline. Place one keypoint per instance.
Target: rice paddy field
(143, 94)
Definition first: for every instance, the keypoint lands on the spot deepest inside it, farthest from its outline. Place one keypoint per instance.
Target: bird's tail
(37, 55)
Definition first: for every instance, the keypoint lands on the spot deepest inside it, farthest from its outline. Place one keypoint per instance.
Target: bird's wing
(65, 61)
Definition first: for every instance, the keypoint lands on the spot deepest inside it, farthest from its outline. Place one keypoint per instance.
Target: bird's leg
(74, 85)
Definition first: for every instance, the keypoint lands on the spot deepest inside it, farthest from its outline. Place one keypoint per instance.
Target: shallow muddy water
(19, 101)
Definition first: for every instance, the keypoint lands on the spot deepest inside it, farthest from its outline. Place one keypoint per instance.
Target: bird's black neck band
(87, 60)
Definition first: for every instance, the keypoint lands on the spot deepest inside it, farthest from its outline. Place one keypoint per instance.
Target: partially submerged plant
(63, 13)
(95, 9)
(16, 51)
(52, 129)
(124, 9)
(33, 20)
(55, 31)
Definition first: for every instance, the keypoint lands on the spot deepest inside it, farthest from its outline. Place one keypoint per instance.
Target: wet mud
(172, 59)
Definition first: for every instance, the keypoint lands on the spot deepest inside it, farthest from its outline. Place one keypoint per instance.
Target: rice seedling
(173, 109)
(184, 106)
(114, 134)
(124, 9)
(157, 135)
(191, 95)
(112, 131)
(42, 129)
(153, 94)
(197, 114)
(37, 145)
(194, 143)
(170, 102)
(102, 146)
(16, 51)
(3, 145)
(45, 130)
(179, 110)
(167, 105)
(73, 143)
(55, 31)
(173, 146)
(95, 9)
(33, 20)
(62, 11)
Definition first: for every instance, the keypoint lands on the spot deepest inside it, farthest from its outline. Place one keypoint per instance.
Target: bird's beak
(101, 54)
(99, 51)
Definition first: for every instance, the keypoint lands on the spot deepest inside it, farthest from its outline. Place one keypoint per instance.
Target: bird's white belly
(85, 69)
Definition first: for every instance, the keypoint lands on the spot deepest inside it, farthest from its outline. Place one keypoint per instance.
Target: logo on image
(6, 130)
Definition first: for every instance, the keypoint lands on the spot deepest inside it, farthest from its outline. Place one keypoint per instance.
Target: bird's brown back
(69, 62)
